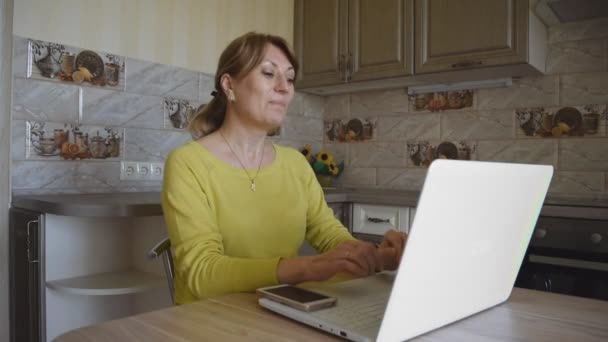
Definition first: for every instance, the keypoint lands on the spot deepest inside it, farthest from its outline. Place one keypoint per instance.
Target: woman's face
(263, 95)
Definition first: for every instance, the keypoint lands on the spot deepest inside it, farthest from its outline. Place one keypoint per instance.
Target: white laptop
(473, 223)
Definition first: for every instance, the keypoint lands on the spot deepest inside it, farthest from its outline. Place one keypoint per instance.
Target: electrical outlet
(143, 171)
(128, 170)
(156, 170)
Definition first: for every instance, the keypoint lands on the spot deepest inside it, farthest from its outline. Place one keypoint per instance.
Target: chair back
(163, 250)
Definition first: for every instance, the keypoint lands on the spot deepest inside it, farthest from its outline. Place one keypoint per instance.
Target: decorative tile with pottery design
(352, 130)
(440, 101)
(556, 122)
(422, 153)
(46, 140)
(48, 60)
(178, 112)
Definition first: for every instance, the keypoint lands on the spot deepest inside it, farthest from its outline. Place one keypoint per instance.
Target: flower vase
(324, 180)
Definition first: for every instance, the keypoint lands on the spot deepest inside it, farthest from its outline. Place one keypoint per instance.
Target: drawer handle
(466, 64)
(378, 220)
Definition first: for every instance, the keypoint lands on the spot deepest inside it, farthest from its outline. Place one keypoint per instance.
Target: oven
(567, 256)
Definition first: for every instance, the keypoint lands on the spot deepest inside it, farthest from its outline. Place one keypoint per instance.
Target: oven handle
(575, 263)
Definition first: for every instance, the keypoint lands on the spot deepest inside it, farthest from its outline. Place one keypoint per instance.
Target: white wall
(6, 53)
(185, 33)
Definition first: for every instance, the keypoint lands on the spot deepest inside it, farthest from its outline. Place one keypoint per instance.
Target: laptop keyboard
(357, 315)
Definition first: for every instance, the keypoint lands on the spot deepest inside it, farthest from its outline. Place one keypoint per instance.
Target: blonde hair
(238, 59)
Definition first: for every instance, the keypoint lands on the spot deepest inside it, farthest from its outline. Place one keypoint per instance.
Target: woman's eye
(268, 74)
(290, 80)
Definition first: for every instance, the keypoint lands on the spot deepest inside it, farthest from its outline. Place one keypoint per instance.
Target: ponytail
(209, 117)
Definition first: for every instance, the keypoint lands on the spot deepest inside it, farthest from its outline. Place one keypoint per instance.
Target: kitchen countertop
(132, 204)
(526, 316)
(124, 204)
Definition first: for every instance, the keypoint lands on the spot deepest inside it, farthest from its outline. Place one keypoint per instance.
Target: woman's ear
(226, 83)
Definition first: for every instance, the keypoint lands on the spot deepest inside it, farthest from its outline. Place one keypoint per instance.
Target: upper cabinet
(319, 41)
(452, 35)
(379, 39)
(342, 41)
(350, 45)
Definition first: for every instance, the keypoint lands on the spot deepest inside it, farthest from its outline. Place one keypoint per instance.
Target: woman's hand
(358, 258)
(391, 249)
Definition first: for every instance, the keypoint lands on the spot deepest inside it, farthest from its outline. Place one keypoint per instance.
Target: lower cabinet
(370, 221)
(89, 270)
(97, 270)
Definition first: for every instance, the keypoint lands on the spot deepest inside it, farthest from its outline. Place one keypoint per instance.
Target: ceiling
(553, 12)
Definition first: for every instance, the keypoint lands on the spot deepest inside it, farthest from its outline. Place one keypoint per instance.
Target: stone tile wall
(136, 110)
(577, 76)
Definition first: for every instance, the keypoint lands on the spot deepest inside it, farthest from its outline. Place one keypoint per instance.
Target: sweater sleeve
(201, 266)
(323, 231)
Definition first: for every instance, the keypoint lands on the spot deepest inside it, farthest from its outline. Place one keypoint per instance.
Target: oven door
(567, 256)
(565, 273)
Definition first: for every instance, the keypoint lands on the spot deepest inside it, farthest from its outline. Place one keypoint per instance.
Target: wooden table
(527, 316)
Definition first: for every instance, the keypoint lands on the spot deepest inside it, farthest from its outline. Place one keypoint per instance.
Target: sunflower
(307, 151)
(333, 168)
(324, 157)
(323, 162)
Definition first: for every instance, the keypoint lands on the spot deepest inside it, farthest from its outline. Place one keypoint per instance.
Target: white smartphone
(297, 297)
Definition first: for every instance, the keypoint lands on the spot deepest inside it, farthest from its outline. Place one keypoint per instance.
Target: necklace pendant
(252, 185)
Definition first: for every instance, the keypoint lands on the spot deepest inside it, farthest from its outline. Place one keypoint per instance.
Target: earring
(231, 97)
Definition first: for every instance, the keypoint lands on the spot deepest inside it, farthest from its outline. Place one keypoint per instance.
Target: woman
(238, 207)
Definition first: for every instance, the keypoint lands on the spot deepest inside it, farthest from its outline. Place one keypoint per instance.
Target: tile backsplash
(558, 119)
(77, 114)
(386, 138)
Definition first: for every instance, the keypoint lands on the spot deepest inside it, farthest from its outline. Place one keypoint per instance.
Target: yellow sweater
(227, 238)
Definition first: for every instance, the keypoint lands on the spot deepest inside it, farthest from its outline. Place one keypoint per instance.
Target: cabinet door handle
(349, 67)
(378, 220)
(29, 242)
(466, 64)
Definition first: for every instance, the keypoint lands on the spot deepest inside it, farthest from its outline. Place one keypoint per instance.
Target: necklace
(251, 179)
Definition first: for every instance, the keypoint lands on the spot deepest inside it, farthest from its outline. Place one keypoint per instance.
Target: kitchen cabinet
(452, 35)
(370, 222)
(355, 45)
(90, 269)
(348, 41)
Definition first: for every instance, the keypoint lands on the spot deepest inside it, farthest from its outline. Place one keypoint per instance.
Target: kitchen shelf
(108, 284)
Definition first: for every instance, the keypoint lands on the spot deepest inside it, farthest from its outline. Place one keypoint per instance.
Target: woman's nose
(282, 83)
